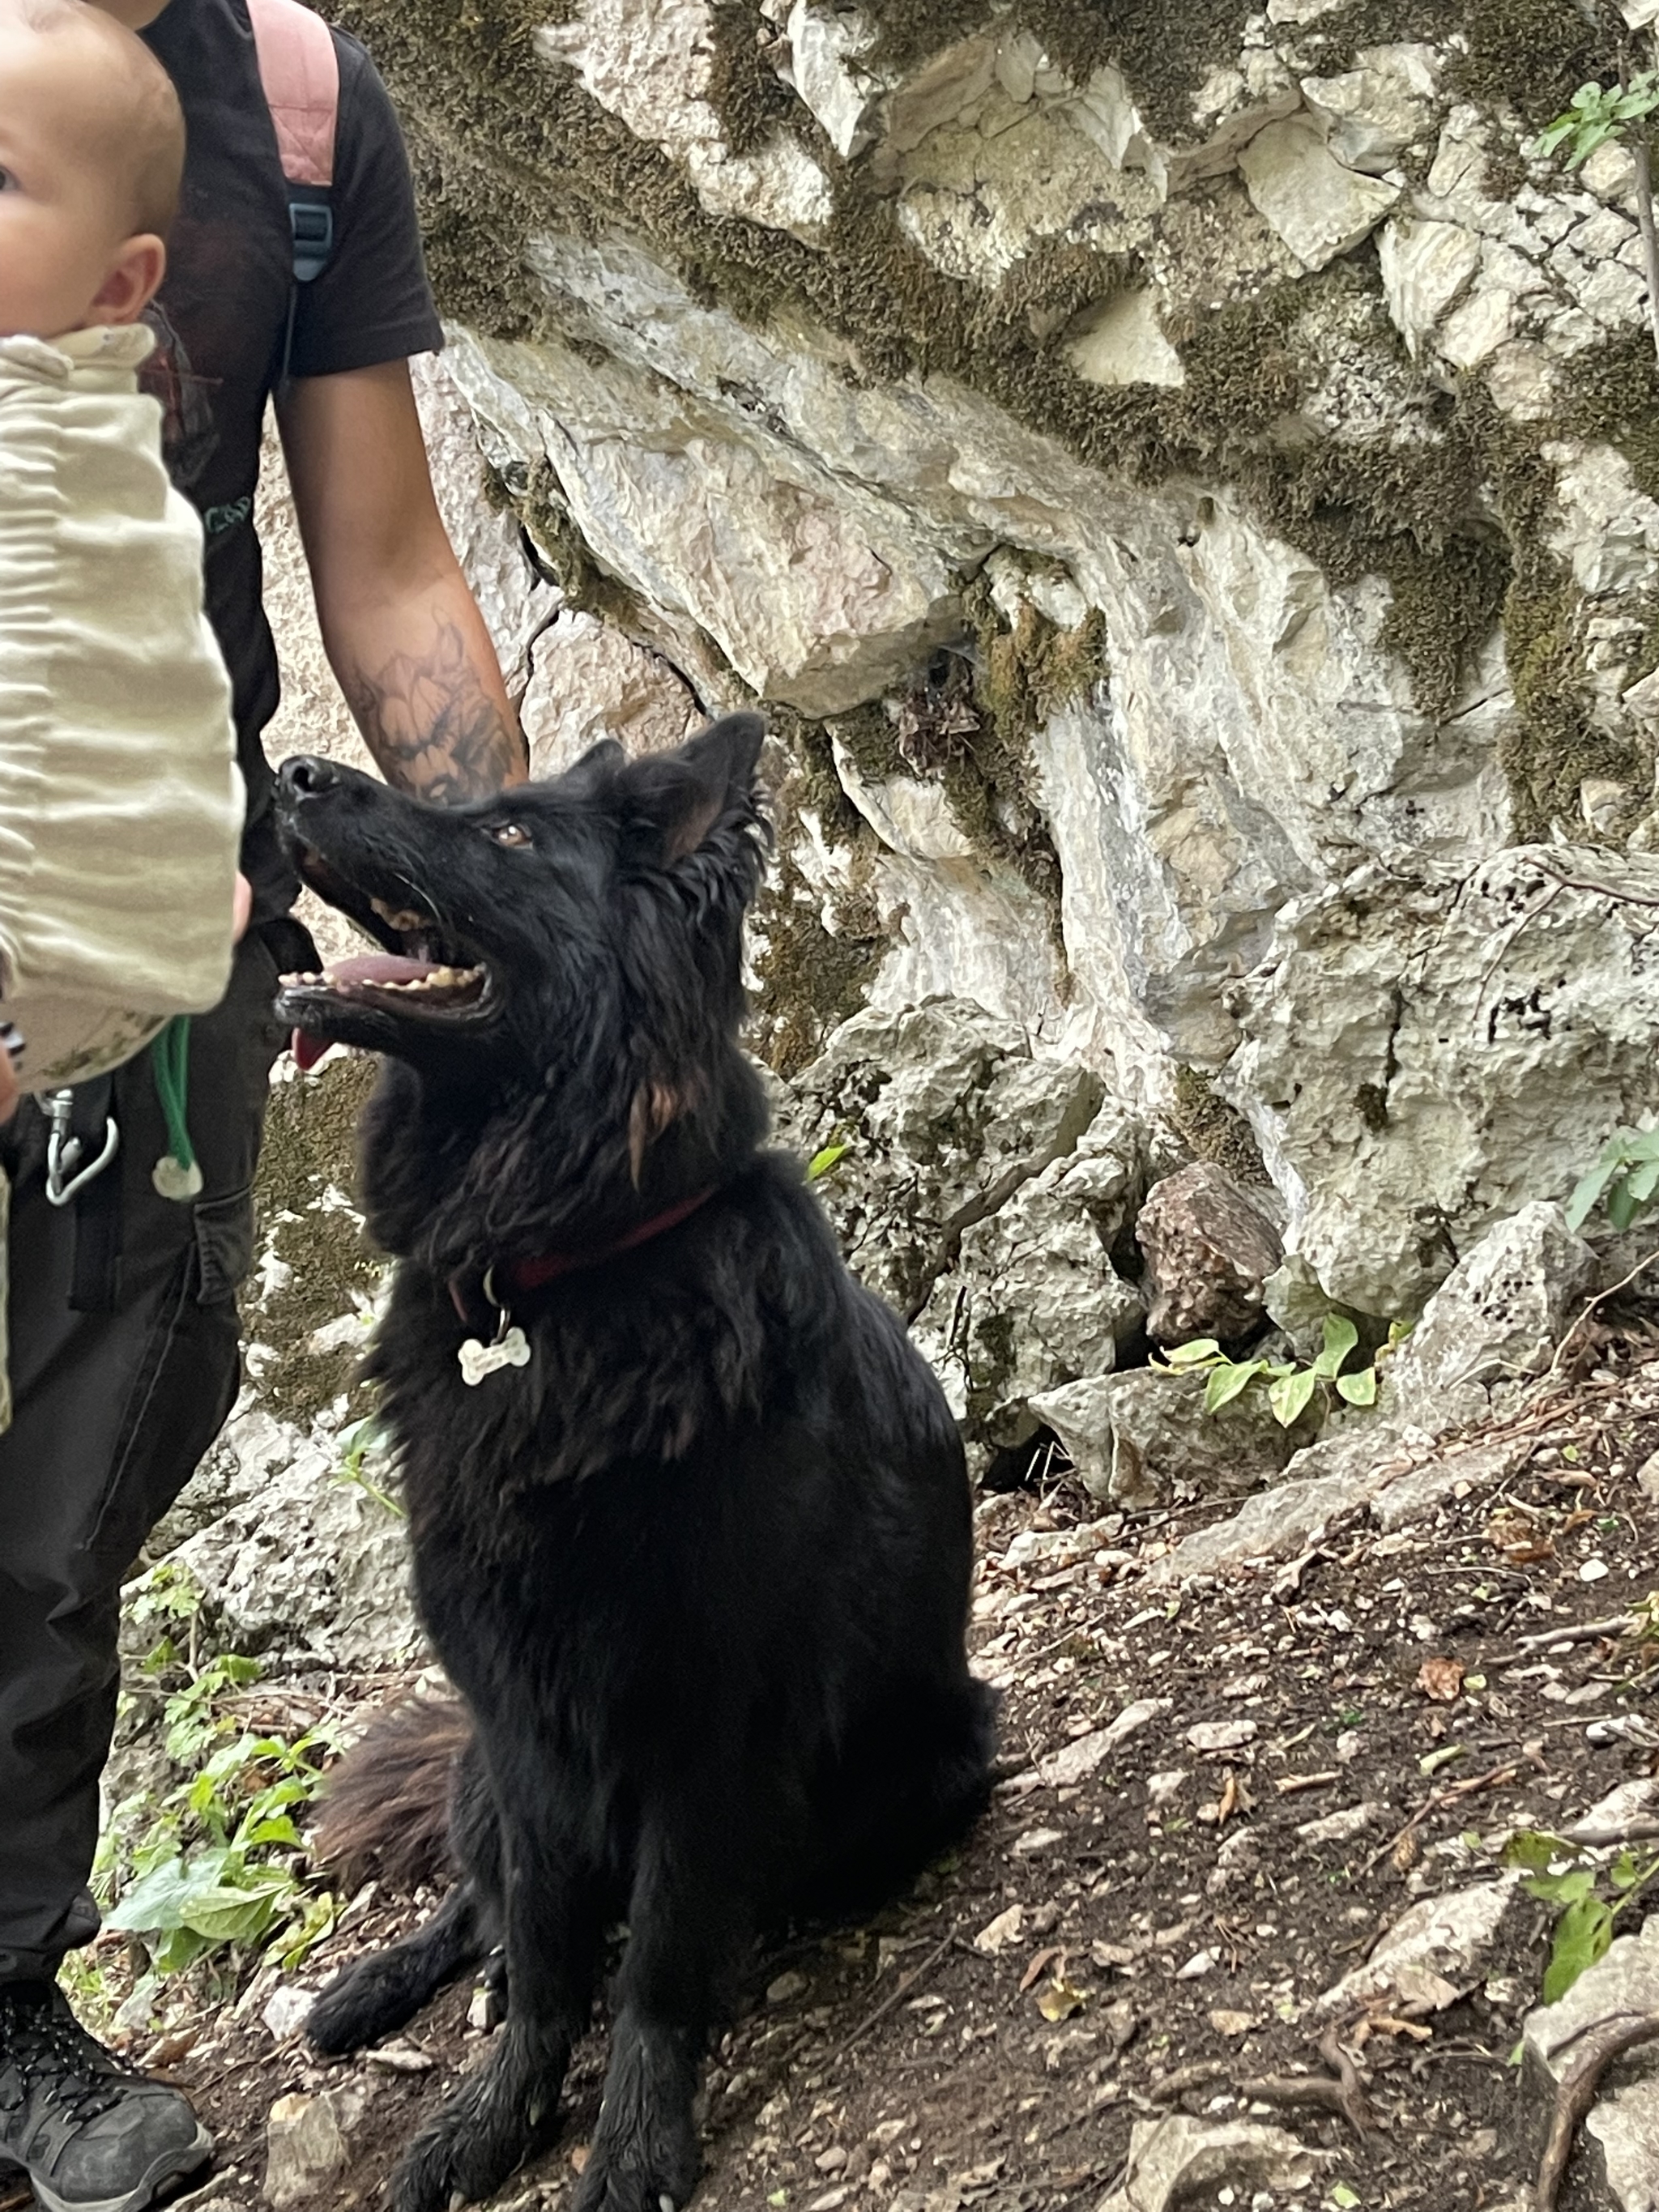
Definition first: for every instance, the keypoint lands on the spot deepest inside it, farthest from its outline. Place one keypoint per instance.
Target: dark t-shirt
(223, 313)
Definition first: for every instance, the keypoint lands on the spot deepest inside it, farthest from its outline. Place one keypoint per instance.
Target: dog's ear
(591, 764)
(684, 794)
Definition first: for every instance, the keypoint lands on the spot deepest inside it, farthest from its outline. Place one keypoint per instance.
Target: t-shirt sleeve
(373, 302)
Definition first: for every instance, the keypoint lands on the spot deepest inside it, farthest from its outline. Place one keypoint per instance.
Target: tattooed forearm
(432, 725)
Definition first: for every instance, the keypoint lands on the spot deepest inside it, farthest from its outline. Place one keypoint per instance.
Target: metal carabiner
(64, 1149)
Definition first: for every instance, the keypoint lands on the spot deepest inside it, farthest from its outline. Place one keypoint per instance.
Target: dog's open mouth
(423, 972)
(391, 979)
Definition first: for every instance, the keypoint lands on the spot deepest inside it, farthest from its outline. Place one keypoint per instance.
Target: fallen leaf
(1044, 1959)
(1005, 1928)
(1441, 1679)
(1404, 1852)
(1058, 2000)
(1431, 1762)
(1233, 2023)
(1227, 1803)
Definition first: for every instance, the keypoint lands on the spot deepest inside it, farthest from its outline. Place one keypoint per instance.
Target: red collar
(511, 1278)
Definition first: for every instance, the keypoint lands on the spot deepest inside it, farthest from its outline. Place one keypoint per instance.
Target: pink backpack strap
(300, 73)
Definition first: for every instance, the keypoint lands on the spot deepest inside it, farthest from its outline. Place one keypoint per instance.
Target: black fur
(700, 1569)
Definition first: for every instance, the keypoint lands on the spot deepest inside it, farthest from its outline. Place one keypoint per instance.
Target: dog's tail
(385, 1808)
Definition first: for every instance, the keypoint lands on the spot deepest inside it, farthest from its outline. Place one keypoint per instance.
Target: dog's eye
(509, 833)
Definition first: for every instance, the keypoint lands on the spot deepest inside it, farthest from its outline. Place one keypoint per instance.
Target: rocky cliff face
(1183, 479)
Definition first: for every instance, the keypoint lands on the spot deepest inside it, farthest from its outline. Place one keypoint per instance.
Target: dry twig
(1493, 1780)
(1574, 2097)
(900, 1989)
(1582, 1631)
(1600, 1299)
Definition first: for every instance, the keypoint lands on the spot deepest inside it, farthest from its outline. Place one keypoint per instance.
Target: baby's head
(92, 147)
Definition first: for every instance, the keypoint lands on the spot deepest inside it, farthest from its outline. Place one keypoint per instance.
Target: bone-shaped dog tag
(510, 1349)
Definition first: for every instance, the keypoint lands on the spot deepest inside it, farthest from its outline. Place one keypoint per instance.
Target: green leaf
(1581, 1937)
(1621, 1206)
(822, 1161)
(1340, 1338)
(1642, 1180)
(1432, 1761)
(1202, 1352)
(1547, 140)
(1226, 1381)
(1569, 1888)
(1585, 1192)
(234, 1916)
(1342, 2196)
(1289, 1396)
(154, 1902)
(1359, 1389)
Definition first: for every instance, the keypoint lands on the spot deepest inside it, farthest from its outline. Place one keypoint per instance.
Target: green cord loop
(170, 1063)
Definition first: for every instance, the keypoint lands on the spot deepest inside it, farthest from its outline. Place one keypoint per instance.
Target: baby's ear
(684, 795)
(133, 281)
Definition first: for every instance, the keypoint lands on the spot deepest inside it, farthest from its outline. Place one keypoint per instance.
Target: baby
(120, 803)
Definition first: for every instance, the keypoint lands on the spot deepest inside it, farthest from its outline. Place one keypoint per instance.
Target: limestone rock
(306, 2144)
(1172, 2160)
(1424, 267)
(1209, 1250)
(586, 681)
(1371, 114)
(1033, 1300)
(1433, 1953)
(653, 62)
(305, 1566)
(946, 1113)
(1496, 1318)
(1080, 1415)
(819, 594)
(1319, 207)
(1121, 342)
(826, 47)
(1331, 1478)
(1162, 1438)
(1424, 1056)
(1623, 2124)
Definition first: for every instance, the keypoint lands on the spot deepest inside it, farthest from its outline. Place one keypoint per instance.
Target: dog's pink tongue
(378, 967)
(307, 1050)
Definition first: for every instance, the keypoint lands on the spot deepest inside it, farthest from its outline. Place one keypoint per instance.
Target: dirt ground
(1149, 1935)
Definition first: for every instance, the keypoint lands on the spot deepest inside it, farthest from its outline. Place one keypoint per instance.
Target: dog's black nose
(308, 775)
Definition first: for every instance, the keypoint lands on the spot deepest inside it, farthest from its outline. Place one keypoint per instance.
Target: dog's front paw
(358, 2006)
(502, 2115)
(621, 2180)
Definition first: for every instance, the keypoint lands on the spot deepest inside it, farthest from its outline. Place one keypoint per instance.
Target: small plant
(1591, 1899)
(1600, 114)
(1289, 1387)
(826, 1161)
(219, 1862)
(360, 1441)
(1625, 1174)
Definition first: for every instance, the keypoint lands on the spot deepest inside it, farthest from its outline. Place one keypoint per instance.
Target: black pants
(112, 1409)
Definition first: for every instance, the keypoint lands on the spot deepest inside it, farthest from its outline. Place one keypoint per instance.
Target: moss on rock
(1213, 1130)
(307, 1170)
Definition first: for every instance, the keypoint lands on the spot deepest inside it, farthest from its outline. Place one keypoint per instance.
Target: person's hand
(242, 908)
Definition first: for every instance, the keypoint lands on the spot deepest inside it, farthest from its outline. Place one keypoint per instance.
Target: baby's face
(62, 226)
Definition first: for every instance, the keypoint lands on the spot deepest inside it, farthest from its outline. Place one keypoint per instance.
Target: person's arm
(402, 631)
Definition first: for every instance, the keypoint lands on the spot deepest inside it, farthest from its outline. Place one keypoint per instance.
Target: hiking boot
(92, 2136)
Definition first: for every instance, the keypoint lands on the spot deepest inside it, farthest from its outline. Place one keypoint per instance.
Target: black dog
(691, 1519)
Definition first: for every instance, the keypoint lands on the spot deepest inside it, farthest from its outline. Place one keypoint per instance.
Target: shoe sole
(173, 2166)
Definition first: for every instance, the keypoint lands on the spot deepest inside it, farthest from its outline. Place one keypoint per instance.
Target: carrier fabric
(120, 802)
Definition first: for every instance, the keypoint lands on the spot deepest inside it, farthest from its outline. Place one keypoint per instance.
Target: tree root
(1574, 2097)
(1344, 2096)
